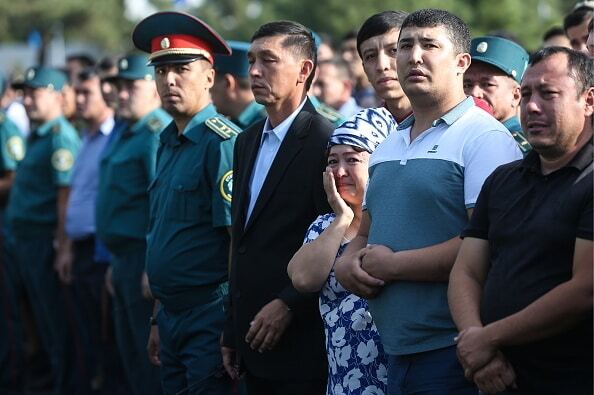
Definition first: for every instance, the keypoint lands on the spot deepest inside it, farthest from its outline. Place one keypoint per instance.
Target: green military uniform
(237, 65)
(126, 169)
(190, 210)
(32, 220)
(326, 111)
(514, 127)
(12, 150)
(254, 112)
(510, 58)
(188, 242)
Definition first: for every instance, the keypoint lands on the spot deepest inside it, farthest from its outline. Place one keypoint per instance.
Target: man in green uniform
(190, 205)
(231, 92)
(12, 150)
(494, 75)
(35, 216)
(122, 210)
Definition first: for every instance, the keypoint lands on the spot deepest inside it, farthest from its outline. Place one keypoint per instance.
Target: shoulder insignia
(222, 127)
(155, 125)
(329, 113)
(56, 128)
(15, 148)
(522, 142)
(226, 186)
(62, 160)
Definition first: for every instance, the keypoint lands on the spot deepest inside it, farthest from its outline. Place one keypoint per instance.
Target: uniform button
(242, 249)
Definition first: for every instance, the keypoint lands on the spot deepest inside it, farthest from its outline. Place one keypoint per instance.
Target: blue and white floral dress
(356, 359)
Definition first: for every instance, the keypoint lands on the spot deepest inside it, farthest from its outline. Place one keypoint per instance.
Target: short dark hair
(88, 73)
(456, 28)
(577, 17)
(379, 24)
(553, 32)
(579, 66)
(299, 38)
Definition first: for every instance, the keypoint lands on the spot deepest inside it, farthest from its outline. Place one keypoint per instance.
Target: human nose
(341, 170)
(383, 61)
(416, 54)
(531, 104)
(474, 90)
(254, 70)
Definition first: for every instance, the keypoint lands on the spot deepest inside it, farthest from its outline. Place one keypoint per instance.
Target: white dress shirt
(270, 143)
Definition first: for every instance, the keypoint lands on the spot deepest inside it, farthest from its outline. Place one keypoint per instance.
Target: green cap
(502, 53)
(44, 77)
(134, 67)
(235, 64)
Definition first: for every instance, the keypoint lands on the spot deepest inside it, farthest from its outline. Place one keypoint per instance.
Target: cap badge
(30, 74)
(165, 43)
(482, 47)
(124, 64)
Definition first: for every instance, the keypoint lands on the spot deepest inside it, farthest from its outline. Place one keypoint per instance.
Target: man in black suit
(278, 163)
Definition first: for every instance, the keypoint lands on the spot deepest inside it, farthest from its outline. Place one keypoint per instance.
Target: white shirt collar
(281, 130)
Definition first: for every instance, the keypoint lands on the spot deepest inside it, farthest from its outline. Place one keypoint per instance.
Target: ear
(306, 69)
(229, 82)
(589, 101)
(463, 62)
(517, 94)
(209, 74)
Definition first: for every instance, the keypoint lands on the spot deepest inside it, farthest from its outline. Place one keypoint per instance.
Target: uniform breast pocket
(185, 200)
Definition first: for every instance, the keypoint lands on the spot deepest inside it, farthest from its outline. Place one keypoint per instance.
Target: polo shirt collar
(580, 161)
(448, 118)
(48, 126)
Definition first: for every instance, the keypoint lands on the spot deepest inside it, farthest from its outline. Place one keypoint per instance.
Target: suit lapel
(290, 147)
(252, 146)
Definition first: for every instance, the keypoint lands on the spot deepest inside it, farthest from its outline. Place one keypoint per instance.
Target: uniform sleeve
(482, 155)
(150, 156)
(12, 146)
(64, 151)
(220, 169)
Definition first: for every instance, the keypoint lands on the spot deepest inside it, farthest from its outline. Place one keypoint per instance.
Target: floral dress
(357, 364)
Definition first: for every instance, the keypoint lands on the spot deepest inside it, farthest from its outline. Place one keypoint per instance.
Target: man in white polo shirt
(424, 180)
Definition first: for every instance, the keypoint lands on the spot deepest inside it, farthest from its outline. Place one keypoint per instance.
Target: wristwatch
(152, 321)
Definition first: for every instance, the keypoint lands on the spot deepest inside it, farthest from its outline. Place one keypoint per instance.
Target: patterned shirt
(356, 359)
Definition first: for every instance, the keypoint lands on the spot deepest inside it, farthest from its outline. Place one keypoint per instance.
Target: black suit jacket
(291, 197)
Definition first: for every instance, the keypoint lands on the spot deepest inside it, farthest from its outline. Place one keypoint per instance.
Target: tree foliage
(103, 22)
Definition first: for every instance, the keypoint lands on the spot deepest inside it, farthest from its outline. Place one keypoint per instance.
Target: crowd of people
(409, 212)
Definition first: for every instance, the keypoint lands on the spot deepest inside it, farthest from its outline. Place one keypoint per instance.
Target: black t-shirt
(531, 222)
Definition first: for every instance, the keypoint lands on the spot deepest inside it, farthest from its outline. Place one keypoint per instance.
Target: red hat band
(179, 44)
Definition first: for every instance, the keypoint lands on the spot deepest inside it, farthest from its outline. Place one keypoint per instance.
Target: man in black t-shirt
(520, 291)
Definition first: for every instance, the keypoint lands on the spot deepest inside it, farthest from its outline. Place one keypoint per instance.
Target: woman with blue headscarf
(357, 363)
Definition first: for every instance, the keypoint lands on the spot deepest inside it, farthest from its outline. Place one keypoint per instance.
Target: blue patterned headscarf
(365, 130)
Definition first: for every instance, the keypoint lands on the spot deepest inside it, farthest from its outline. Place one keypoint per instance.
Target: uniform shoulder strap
(223, 127)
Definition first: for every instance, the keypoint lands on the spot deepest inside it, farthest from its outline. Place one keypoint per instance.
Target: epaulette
(155, 125)
(223, 127)
(522, 142)
(329, 113)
